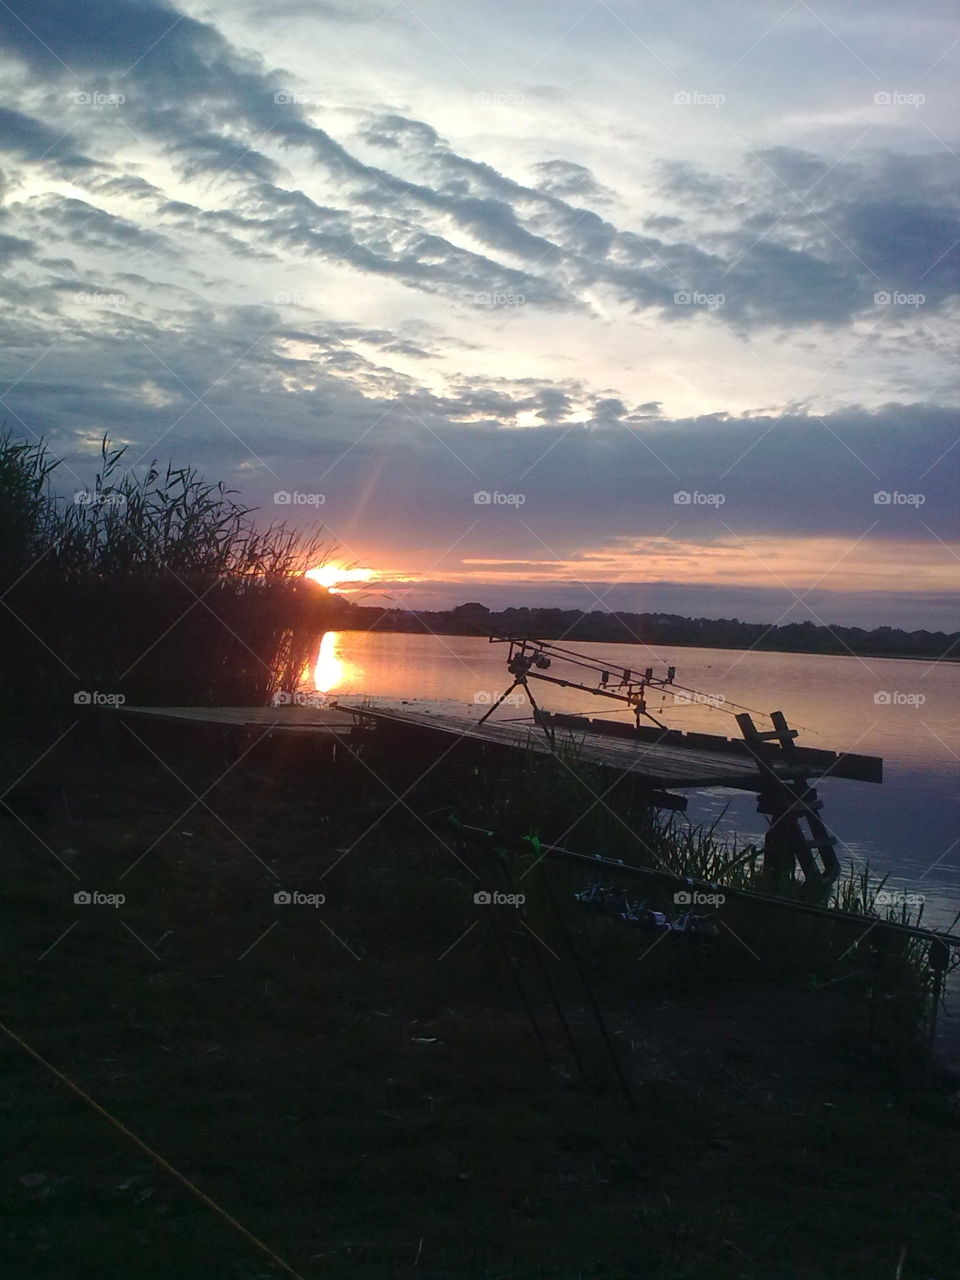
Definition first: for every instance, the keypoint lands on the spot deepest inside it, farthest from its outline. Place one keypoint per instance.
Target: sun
(334, 576)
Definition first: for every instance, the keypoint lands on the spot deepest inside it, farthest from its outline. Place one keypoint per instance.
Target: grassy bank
(362, 1085)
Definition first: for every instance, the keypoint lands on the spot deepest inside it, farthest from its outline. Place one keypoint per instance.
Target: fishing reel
(522, 663)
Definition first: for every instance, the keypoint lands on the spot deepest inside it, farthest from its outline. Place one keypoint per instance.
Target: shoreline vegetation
(403, 1081)
(661, 629)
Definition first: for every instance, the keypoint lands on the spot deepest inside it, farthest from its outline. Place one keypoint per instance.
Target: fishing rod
(529, 658)
(531, 844)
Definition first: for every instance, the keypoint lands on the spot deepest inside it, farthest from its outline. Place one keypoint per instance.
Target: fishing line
(154, 1155)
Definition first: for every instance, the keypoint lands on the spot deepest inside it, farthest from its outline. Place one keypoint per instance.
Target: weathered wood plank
(659, 758)
(279, 719)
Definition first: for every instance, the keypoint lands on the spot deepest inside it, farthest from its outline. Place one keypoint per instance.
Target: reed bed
(153, 584)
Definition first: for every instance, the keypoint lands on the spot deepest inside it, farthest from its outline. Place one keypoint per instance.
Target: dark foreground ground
(358, 1085)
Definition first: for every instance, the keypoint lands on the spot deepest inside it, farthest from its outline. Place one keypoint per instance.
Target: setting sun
(332, 576)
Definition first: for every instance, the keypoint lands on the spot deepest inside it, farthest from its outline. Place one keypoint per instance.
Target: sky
(580, 304)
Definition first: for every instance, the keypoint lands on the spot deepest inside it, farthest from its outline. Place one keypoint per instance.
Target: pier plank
(658, 758)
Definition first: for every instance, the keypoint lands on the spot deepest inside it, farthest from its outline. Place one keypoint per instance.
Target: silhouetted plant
(157, 585)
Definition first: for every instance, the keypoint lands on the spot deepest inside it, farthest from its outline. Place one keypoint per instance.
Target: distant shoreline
(812, 653)
(659, 630)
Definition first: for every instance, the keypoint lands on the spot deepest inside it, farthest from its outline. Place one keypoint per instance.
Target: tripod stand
(519, 667)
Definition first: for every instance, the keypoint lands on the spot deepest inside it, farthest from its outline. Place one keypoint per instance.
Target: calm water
(908, 827)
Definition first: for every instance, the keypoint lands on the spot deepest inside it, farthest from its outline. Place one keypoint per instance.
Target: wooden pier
(284, 719)
(660, 758)
(661, 761)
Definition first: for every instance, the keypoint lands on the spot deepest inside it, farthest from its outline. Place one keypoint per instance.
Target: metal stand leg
(503, 697)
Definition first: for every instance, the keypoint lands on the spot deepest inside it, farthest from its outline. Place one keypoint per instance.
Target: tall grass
(568, 801)
(153, 584)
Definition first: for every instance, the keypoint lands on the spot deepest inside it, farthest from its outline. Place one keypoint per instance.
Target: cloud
(14, 247)
(566, 179)
(34, 141)
(86, 224)
(411, 305)
(444, 222)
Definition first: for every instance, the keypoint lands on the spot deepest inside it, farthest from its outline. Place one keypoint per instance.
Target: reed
(154, 584)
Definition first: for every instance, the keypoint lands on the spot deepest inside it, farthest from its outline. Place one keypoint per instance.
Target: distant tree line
(662, 629)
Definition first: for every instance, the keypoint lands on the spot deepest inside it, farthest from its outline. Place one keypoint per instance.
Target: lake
(904, 711)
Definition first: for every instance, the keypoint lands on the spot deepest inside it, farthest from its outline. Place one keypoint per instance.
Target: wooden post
(788, 801)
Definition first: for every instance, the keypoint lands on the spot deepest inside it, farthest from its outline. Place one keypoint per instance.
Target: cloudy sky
(671, 288)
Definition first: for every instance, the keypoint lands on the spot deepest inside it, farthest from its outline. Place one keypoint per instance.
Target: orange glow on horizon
(333, 576)
(796, 562)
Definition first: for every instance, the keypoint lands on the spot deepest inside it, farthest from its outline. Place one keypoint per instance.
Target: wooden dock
(661, 759)
(283, 719)
(658, 758)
